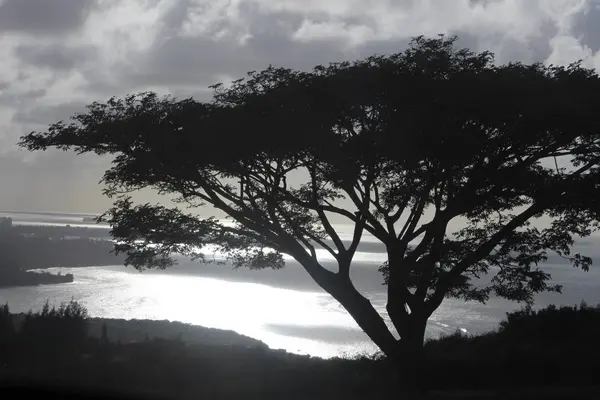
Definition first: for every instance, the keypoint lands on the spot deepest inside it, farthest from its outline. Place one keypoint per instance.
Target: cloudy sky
(58, 55)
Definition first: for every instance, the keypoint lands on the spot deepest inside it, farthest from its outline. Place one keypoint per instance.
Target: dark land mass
(38, 247)
(12, 278)
(549, 353)
(25, 253)
(26, 248)
(139, 330)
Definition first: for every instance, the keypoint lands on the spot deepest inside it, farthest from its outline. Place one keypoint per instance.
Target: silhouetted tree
(104, 335)
(399, 146)
(7, 326)
(56, 330)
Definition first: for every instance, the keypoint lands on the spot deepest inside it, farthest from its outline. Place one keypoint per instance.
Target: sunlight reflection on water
(255, 310)
(306, 322)
(288, 313)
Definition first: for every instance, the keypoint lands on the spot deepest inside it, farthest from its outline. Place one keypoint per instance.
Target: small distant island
(27, 248)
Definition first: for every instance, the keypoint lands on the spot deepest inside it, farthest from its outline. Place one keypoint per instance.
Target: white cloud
(81, 51)
(567, 49)
(353, 35)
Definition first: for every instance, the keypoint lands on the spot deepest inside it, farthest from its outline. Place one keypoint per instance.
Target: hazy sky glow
(58, 55)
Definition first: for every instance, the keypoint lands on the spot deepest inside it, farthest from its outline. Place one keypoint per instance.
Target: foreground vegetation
(134, 330)
(531, 352)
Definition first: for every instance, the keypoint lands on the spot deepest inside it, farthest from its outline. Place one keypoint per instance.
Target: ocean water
(285, 309)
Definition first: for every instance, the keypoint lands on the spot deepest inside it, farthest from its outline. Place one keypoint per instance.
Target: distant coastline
(18, 278)
(28, 247)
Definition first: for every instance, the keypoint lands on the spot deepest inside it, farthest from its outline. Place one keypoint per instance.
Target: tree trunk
(405, 355)
(407, 313)
(410, 324)
(412, 341)
(358, 306)
(412, 336)
(365, 315)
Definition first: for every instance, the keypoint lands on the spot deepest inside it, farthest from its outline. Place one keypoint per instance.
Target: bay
(285, 309)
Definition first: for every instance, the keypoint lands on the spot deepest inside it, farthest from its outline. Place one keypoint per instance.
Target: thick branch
(446, 281)
(414, 218)
(324, 220)
(377, 229)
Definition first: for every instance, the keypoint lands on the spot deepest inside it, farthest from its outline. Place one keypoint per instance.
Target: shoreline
(26, 278)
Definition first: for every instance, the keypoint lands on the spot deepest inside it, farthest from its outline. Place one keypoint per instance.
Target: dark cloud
(381, 47)
(130, 59)
(182, 61)
(272, 45)
(20, 99)
(174, 18)
(44, 115)
(43, 16)
(535, 49)
(586, 26)
(55, 57)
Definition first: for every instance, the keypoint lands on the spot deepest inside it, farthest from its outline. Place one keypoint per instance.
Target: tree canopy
(413, 141)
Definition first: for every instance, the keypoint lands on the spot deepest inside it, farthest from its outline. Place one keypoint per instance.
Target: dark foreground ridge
(139, 330)
(548, 354)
